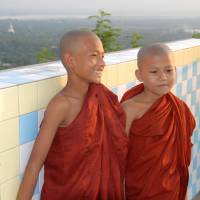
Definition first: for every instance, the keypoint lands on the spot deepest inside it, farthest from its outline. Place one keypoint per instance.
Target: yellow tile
(126, 72)
(189, 55)
(196, 53)
(9, 164)
(181, 58)
(104, 77)
(27, 98)
(62, 80)
(186, 56)
(47, 89)
(112, 76)
(9, 134)
(178, 61)
(9, 103)
(9, 189)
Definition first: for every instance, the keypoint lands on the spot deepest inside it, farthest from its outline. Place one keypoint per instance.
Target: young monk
(160, 126)
(82, 141)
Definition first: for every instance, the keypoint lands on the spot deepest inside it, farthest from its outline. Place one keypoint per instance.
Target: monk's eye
(169, 70)
(153, 72)
(94, 54)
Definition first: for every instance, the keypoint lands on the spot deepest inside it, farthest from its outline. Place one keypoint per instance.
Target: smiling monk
(82, 141)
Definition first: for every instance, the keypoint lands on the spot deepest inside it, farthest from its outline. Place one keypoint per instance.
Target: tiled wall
(188, 89)
(25, 93)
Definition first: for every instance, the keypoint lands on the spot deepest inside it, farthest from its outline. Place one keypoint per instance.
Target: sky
(187, 8)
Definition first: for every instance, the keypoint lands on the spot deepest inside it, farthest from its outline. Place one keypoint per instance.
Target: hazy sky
(116, 7)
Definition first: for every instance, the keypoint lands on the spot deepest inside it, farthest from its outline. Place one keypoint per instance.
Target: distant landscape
(21, 39)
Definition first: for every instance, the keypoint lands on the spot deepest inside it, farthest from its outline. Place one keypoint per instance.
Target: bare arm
(186, 197)
(54, 115)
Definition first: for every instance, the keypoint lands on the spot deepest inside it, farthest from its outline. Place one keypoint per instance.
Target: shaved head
(72, 42)
(158, 49)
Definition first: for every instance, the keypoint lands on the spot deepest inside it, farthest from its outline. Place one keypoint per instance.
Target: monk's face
(157, 72)
(88, 62)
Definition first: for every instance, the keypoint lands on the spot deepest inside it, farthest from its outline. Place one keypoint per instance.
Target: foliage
(135, 37)
(45, 55)
(196, 35)
(106, 32)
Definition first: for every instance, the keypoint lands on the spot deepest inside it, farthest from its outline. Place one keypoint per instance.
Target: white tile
(25, 151)
(40, 117)
(184, 88)
(121, 89)
(188, 100)
(41, 178)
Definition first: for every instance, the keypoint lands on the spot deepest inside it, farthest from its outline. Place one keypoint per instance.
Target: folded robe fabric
(87, 158)
(160, 150)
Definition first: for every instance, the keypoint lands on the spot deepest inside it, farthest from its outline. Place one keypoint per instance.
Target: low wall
(25, 92)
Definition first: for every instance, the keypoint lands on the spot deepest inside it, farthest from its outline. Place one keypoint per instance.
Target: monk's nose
(102, 63)
(163, 76)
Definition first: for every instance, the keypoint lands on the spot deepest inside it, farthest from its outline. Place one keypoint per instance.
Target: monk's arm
(186, 196)
(53, 117)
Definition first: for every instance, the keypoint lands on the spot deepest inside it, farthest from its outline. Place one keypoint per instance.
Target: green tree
(135, 37)
(106, 32)
(196, 35)
(45, 55)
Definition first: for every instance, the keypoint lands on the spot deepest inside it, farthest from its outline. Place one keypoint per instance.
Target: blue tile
(198, 81)
(194, 68)
(184, 98)
(178, 89)
(193, 98)
(190, 182)
(195, 136)
(197, 110)
(189, 86)
(198, 172)
(194, 163)
(28, 127)
(130, 85)
(114, 90)
(194, 190)
(198, 149)
(185, 72)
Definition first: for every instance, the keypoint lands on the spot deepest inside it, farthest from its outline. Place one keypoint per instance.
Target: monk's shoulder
(130, 105)
(58, 104)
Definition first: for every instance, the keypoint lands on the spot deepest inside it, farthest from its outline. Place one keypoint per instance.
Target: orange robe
(160, 150)
(87, 158)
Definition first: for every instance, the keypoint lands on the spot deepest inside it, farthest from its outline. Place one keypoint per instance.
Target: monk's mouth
(99, 73)
(164, 85)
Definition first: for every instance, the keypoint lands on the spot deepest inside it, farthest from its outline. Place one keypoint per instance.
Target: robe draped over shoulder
(160, 150)
(87, 158)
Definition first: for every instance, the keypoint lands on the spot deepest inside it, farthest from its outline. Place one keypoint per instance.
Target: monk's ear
(69, 60)
(138, 75)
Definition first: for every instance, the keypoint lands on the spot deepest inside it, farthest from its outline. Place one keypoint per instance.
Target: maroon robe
(160, 150)
(87, 158)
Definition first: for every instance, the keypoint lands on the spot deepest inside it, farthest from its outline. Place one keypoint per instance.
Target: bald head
(158, 49)
(73, 41)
